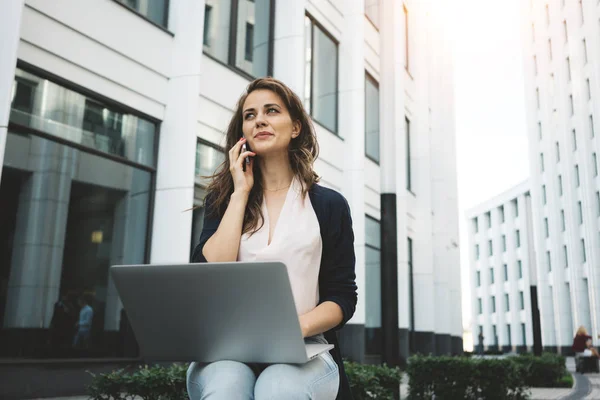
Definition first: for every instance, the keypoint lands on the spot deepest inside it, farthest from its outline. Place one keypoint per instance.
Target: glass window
(477, 251)
(492, 275)
(501, 214)
(557, 152)
(503, 243)
(246, 45)
(493, 302)
(580, 212)
(56, 249)
(490, 248)
(577, 182)
(508, 334)
(562, 220)
(373, 286)
(516, 207)
(546, 227)
(321, 94)
(523, 334)
(480, 306)
(217, 14)
(591, 119)
(574, 139)
(520, 268)
(156, 11)
(506, 302)
(566, 256)
(549, 261)
(518, 234)
(495, 335)
(505, 272)
(476, 224)
(478, 278)
(371, 118)
(544, 199)
(542, 162)
(560, 185)
(522, 300)
(208, 159)
(253, 36)
(47, 107)
(488, 218)
(595, 164)
(583, 253)
(372, 11)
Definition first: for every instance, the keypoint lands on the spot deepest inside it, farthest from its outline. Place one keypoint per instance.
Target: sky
(492, 154)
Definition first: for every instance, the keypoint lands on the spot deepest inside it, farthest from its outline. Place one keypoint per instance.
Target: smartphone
(247, 160)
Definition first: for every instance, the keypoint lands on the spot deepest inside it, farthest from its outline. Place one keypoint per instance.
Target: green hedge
(169, 383)
(465, 378)
(548, 370)
(373, 381)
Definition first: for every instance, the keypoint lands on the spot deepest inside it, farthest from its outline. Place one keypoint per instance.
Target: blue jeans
(318, 379)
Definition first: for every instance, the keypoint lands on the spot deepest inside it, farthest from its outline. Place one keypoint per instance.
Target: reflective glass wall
(70, 210)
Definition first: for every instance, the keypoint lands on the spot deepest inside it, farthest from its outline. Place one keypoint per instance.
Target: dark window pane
(155, 10)
(207, 159)
(216, 29)
(372, 119)
(50, 108)
(373, 294)
(57, 249)
(324, 80)
(252, 41)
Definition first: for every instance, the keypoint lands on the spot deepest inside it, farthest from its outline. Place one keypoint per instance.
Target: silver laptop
(215, 311)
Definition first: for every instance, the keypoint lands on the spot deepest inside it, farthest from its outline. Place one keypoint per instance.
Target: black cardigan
(337, 278)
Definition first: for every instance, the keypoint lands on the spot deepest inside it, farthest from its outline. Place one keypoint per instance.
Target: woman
(583, 342)
(264, 204)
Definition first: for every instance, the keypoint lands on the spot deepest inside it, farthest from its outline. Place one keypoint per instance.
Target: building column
(39, 239)
(352, 128)
(392, 182)
(10, 29)
(288, 47)
(446, 268)
(172, 224)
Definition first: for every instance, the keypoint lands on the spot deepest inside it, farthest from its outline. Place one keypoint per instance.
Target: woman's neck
(276, 172)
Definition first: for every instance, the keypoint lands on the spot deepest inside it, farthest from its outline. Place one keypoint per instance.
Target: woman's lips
(263, 135)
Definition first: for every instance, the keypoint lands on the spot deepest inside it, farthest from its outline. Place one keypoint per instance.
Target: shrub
(464, 378)
(169, 383)
(544, 371)
(373, 381)
(565, 382)
(149, 383)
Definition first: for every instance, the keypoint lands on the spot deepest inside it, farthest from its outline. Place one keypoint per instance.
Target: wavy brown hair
(303, 152)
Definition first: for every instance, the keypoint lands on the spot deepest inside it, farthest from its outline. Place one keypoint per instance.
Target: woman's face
(267, 125)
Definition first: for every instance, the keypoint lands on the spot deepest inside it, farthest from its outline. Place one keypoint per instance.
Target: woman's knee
(222, 379)
(281, 381)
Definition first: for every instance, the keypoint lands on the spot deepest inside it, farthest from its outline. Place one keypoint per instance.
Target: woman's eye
(272, 109)
(248, 116)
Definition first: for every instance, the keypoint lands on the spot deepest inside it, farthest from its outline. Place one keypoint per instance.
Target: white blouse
(296, 242)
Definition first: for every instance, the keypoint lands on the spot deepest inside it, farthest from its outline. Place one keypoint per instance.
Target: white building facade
(562, 86)
(108, 120)
(502, 271)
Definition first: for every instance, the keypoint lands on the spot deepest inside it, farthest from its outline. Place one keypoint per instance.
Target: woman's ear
(296, 129)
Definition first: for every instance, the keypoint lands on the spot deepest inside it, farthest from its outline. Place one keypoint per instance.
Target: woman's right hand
(242, 180)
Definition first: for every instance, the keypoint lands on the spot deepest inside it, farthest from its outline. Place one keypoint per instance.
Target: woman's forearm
(223, 246)
(322, 318)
